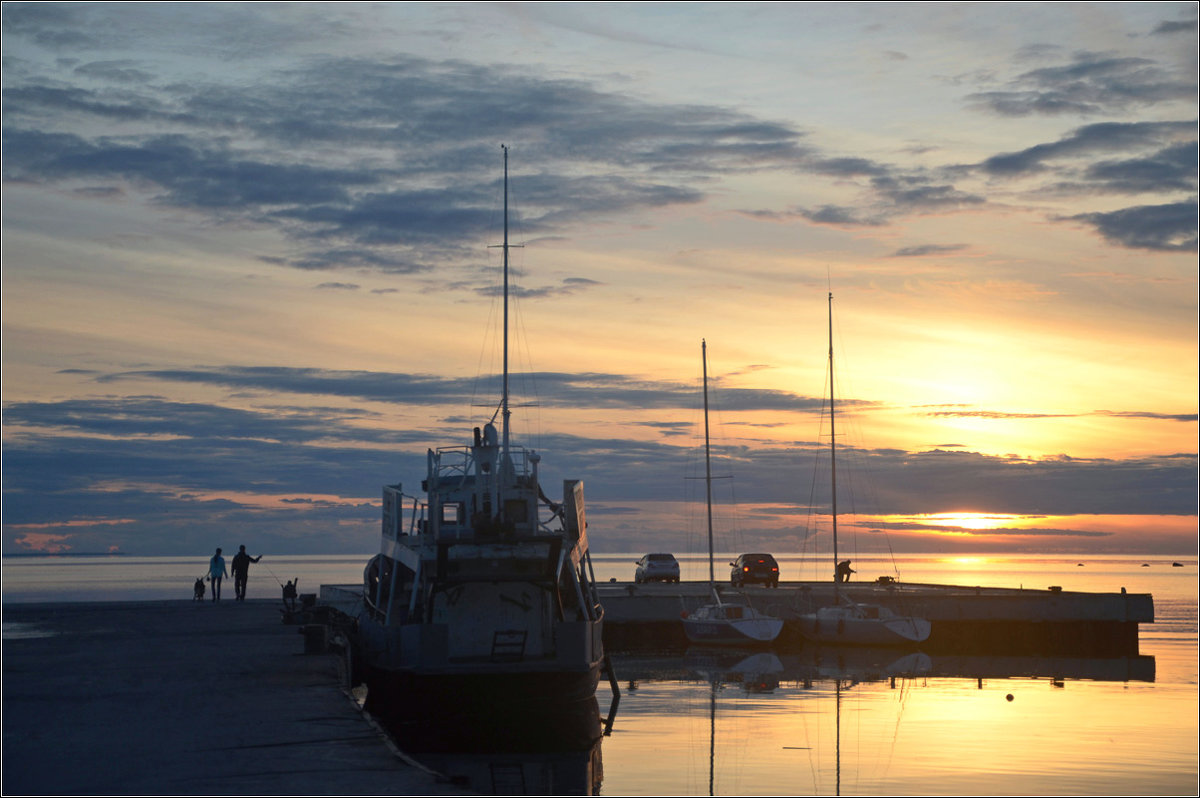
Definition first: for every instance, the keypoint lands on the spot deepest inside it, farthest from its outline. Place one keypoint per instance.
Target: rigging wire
(856, 489)
(488, 366)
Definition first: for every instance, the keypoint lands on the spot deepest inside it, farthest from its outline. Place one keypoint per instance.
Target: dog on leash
(199, 590)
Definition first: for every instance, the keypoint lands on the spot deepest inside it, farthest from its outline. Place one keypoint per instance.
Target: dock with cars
(964, 619)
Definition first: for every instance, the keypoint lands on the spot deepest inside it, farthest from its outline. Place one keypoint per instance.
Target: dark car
(750, 568)
(657, 567)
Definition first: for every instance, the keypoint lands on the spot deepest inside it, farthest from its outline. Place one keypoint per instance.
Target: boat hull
(474, 711)
(836, 626)
(746, 632)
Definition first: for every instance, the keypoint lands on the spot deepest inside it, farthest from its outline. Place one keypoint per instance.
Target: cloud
(350, 258)
(413, 180)
(187, 471)
(1089, 140)
(841, 216)
(585, 389)
(1163, 228)
(162, 420)
(1092, 83)
(191, 173)
(1169, 169)
(910, 526)
(382, 164)
(569, 286)
(1172, 27)
(120, 71)
(226, 33)
(962, 411)
(1186, 417)
(1167, 166)
(923, 250)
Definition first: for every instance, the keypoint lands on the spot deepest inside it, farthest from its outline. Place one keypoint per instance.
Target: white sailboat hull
(863, 625)
(716, 624)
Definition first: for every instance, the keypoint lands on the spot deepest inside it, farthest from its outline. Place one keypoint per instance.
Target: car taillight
(774, 569)
(746, 568)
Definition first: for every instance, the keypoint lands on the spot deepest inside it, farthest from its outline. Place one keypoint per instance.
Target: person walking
(216, 572)
(241, 571)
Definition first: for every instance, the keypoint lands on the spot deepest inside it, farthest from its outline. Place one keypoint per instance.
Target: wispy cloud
(1168, 228)
(969, 412)
(1091, 83)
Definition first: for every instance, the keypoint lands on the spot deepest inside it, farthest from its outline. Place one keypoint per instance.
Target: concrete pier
(184, 698)
(964, 619)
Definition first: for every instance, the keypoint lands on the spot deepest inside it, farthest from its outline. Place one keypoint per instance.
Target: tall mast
(833, 447)
(712, 583)
(504, 412)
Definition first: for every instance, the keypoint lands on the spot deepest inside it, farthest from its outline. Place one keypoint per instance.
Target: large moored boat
(483, 589)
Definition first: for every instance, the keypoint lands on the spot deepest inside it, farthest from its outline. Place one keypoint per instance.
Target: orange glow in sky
(253, 317)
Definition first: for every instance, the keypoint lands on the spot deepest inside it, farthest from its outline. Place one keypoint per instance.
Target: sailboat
(724, 622)
(483, 602)
(848, 622)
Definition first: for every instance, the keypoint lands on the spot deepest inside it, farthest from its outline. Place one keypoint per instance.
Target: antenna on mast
(504, 412)
(504, 397)
(833, 447)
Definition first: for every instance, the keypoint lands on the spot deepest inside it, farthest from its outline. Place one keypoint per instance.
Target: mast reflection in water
(853, 721)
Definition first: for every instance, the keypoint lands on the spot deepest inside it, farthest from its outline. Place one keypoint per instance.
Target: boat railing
(457, 461)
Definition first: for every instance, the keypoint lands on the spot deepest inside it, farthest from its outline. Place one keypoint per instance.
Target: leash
(272, 573)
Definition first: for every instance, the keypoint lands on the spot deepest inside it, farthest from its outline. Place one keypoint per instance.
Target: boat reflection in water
(851, 720)
(759, 674)
(551, 773)
(755, 672)
(511, 751)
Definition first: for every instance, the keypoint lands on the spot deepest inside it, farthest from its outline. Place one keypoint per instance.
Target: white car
(658, 567)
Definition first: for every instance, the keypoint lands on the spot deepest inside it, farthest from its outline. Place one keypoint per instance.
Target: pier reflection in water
(870, 722)
(820, 721)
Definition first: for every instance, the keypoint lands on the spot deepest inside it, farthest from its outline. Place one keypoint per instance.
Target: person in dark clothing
(241, 571)
(843, 571)
(289, 595)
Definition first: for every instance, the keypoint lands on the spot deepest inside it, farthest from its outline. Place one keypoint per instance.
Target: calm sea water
(798, 723)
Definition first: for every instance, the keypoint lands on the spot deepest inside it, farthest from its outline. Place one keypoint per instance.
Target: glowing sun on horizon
(972, 520)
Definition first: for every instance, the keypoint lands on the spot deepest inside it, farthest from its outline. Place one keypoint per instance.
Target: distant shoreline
(67, 554)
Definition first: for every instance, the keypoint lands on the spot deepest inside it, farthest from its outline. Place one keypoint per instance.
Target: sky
(251, 274)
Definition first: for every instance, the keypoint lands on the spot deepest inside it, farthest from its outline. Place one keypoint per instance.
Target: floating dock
(964, 620)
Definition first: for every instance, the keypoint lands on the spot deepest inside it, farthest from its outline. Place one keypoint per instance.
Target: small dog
(199, 590)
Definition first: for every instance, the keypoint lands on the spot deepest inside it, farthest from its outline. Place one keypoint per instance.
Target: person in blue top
(216, 572)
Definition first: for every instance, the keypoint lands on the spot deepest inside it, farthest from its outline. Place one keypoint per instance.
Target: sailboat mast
(833, 447)
(712, 582)
(504, 412)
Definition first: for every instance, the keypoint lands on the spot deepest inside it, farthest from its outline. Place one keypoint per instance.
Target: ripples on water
(811, 722)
